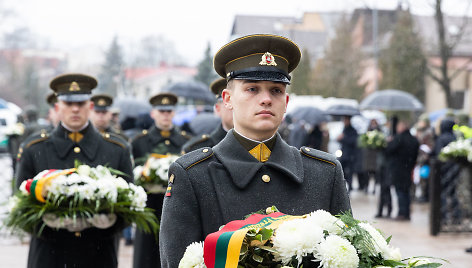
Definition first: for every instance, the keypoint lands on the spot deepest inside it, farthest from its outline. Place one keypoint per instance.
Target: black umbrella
(309, 114)
(204, 123)
(343, 110)
(191, 89)
(131, 107)
(391, 100)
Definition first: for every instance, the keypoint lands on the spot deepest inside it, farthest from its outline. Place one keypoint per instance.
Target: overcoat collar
(218, 134)
(242, 166)
(88, 145)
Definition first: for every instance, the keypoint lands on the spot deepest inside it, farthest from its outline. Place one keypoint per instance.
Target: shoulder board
(191, 159)
(143, 133)
(113, 138)
(318, 155)
(185, 134)
(194, 141)
(39, 137)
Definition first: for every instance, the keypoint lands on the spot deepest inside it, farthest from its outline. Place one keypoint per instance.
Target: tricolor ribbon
(36, 185)
(222, 248)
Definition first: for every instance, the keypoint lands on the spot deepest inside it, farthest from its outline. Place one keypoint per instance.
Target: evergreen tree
(206, 74)
(300, 83)
(403, 63)
(337, 74)
(110, 75)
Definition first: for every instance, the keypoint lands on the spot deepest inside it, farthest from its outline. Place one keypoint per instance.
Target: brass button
(307, 149)
(265, 178)
(43, 135)
(77, 150)
(171, 178)
(77, 234)
(20, 150)
(205, 150)
(183, 133)
(107, 135)
(145, 131)
(167, 142)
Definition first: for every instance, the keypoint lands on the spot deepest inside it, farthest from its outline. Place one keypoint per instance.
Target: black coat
(401, 154)
(212, 186)
(146, 248)
(92, 247)
(349, 145)
(205, 140)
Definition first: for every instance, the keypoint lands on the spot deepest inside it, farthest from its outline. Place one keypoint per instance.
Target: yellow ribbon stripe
(42, 182)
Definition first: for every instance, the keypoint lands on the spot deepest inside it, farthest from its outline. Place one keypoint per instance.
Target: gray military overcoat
(212, 186)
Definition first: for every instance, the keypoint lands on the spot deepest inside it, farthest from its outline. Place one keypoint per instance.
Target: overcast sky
(190, 25)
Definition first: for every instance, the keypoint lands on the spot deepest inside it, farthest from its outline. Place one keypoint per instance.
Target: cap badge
(165, 100)
(268, 59)
(101, 102)
(74, 87)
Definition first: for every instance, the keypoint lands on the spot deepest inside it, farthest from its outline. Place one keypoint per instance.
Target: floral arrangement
(153, 174)
(373, 139)
(317, 239)
(16, 129)
(459, 150)
(78, 198)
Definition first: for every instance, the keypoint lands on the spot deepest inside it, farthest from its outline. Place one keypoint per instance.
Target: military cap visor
(73, 87)
(164, 101)
(102, 102)
(51, 99)
(258, 57)
(218, 86)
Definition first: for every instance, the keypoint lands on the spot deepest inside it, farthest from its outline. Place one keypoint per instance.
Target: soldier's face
(163, 118)
(258, 107)
(74, 114)
(100, 119)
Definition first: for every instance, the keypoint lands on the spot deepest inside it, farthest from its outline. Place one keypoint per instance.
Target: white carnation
(326, 221)
(295, 238)
(193, 256)
(337, 252)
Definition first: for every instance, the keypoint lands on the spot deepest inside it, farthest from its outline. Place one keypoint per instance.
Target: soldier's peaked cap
(102, 102)
(258, 57)
(73, 87)
(164, 101)
(217, 86)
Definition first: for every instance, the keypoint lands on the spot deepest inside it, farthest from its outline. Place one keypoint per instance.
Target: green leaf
(266, 233)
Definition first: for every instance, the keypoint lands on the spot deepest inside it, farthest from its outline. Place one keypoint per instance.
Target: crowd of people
(244, 165)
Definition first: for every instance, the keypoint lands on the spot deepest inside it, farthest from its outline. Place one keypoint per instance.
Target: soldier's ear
(91, 105)
(287, 98)
(226, 95)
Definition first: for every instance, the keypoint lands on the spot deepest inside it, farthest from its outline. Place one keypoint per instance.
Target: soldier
(53, 117)
(222, 112)
(73, 139)
(162, 138)
(101, 115)
(252, 168)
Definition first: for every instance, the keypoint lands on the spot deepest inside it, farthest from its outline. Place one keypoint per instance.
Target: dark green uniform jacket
(146, 248)
(211, 187)
(205, 140)
(92, 247)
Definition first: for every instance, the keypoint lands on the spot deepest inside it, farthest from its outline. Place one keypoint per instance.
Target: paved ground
(411, 237)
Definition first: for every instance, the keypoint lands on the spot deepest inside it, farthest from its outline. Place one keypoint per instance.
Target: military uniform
(58, 150)
(146, 249)
(205, 140)
(210, 187)
(103, 103)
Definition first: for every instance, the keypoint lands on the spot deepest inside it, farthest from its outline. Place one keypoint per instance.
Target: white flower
(379, 242)
(335, 252)
(392, 253)
(120, 183)
(138, 197)
(193, 256)
(326, 221)
(12, 203)
(297, 238)
(137, 172)
(83, 170)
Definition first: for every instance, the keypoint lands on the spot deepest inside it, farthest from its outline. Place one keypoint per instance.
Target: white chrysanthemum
(379, 242)
(193, 256)
(337, 252)
(326, 221)
(138, 197)
(295, 238)
(83, 170)
(121, 183)
(392, 253)
(137, 172)
(417, 262)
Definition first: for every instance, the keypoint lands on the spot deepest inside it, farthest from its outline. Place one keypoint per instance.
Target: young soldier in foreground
(252, 168)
